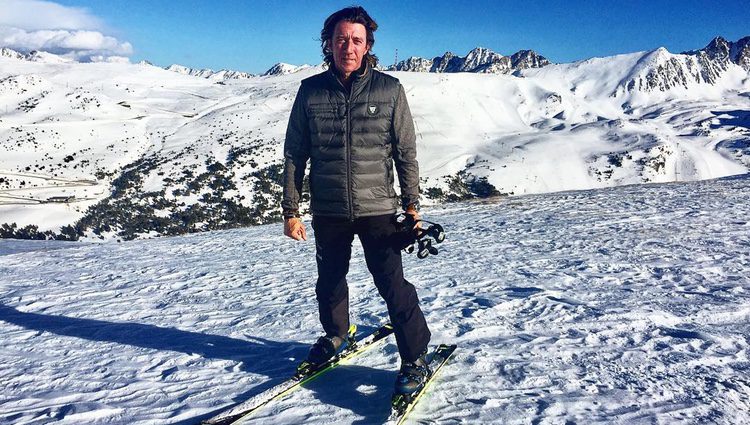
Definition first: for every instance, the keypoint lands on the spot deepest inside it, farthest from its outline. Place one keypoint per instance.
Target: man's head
(347, 39)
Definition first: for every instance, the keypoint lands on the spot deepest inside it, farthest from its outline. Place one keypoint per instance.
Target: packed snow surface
(619, 305)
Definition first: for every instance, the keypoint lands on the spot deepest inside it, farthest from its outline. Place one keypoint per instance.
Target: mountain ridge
(477, 60)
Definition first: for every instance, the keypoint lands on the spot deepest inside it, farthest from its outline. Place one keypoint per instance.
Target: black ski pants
(333, 244)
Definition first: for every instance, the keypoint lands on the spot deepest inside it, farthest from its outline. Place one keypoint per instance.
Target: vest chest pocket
(327, 124)
(322, 111)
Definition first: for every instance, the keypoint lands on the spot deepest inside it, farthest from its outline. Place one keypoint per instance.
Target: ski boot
(324, 349)
(412, 376)
(410, 380)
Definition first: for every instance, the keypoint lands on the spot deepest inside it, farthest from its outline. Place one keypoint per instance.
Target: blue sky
(253, 35)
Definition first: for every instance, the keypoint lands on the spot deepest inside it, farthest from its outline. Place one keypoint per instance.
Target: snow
(560, 127)
(616, 305)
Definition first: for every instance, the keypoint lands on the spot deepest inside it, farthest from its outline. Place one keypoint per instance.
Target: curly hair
(355, 15)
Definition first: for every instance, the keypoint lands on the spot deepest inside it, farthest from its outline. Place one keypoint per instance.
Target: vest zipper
(349, 159)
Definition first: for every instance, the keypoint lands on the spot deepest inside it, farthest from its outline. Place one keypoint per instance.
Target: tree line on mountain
(130, 212)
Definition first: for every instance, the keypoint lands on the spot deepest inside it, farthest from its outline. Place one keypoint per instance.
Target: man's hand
(414, 215)
(294, 228)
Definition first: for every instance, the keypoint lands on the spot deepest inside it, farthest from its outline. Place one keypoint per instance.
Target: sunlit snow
(624, 305)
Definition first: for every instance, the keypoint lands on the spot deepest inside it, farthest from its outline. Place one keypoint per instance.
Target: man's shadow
(363, 390)
(252, 354)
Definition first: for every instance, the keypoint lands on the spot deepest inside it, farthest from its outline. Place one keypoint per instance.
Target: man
(353, 123)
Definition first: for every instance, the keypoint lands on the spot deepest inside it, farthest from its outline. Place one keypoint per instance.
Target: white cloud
(110, 59)
(72, 32)
(43, 15)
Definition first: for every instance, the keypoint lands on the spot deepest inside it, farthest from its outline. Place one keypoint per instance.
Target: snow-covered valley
(122, 151)
(619, 305)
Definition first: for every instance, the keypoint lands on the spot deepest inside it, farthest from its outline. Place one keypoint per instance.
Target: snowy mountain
(117, 150)
(524, 59)
(719, 49)
(661, 70)
(479, 60)
(223, 74)
(624, 305)
(739, 53)
(284, 69)
(34, 56)
(413, 64)
(46, 57)
(278, 69)
(10, 53)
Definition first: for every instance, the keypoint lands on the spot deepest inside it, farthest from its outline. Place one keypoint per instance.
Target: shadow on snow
(259, 356)
(736, 118)
(362, 390)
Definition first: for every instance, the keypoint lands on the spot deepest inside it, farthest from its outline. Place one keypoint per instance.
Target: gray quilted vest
(351, 161)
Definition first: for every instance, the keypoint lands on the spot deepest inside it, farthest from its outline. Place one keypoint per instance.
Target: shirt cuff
(290, 214)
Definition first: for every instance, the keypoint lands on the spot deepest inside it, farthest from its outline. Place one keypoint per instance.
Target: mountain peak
(524, 59)
(180, 69)
(208, 73)
(6, 52)
(718, 40)
(479, 51)
(718, 48)
(659, 70)
(481, 59)
(46, 57)
(282, 68)
(739, 53)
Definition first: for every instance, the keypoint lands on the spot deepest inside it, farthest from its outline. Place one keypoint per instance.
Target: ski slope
(619, 305)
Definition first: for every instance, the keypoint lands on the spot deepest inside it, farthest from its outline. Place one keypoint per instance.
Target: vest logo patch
(372, 109)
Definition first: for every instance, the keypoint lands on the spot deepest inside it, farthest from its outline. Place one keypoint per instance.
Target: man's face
(349, 46)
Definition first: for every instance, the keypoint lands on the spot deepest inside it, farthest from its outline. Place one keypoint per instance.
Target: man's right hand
(294, 228)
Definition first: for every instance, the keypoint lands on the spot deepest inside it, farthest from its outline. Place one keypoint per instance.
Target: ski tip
(445, 350)
(352, 330)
